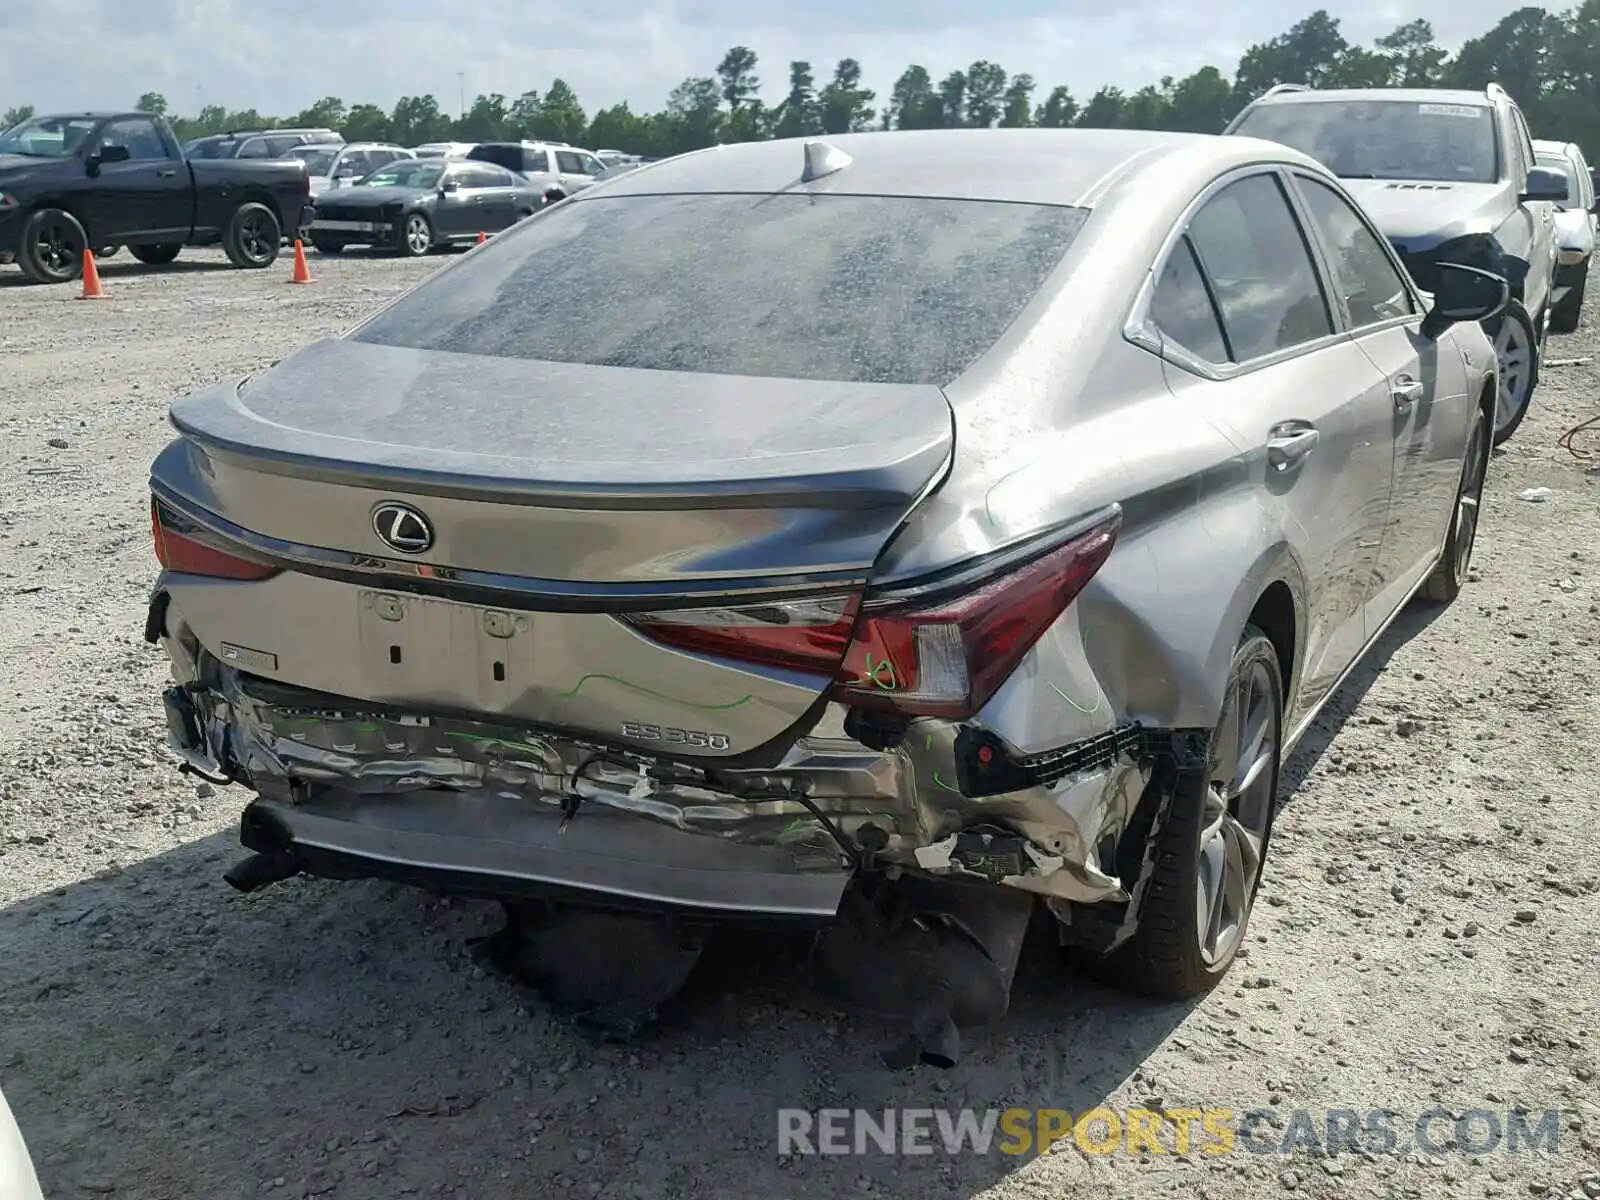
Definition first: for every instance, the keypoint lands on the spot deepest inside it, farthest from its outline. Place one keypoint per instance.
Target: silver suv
(555, 168)
(1446, 175)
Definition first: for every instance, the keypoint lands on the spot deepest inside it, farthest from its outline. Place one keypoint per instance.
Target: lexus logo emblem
(402, 528)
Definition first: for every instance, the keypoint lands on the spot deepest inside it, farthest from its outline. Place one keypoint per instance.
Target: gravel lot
(1425, 936)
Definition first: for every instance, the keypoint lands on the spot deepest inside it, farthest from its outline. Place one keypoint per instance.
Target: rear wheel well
(1274, 616)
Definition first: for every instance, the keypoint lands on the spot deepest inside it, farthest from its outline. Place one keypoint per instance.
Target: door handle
(1289, 443)
(1406, 392)
(170, 174)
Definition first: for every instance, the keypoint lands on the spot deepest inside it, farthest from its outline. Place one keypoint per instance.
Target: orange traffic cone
(91, 278)
(302, 273)
(482, 237)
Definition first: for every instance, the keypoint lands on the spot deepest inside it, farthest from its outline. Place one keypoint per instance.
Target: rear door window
(1253, 252)
(869, 289)
(569, 163)
(1181, 308)
(536, 161)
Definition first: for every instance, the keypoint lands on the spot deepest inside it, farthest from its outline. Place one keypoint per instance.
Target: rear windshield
(1385, 139)
(867, 289)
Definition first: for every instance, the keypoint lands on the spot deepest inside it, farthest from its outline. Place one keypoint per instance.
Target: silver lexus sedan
(782, 530)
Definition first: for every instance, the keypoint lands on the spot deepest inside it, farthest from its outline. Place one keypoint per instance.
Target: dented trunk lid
(557, 496)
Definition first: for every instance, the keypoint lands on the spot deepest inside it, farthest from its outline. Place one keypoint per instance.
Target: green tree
(693, 115)
(1104, 110)
(1201, 103)
(152, 102)
(1415, 59)
(985, 94)
(1058, 111)
(367, 123)
(417, 119)
(16, 116)
(1018, 110)
(846, 105)
(737, 75)
(327, 113)
(953, 100)
(559, 117)
(913, 104)
(800, 114)
(1309, 53)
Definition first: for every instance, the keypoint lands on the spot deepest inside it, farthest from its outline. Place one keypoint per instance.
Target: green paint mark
(657, 695)
(365, 727)
(535, 747)
(1075, 704)
(880, 674)
(945, 785)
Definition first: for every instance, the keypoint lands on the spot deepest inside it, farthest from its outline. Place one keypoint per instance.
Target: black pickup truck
(120, 179)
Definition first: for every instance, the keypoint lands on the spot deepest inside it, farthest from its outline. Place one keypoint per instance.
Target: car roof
(1403, 95)
(1546, 146)
(1069, 167)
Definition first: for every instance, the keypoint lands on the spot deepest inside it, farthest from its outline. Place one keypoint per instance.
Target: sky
(280, 58)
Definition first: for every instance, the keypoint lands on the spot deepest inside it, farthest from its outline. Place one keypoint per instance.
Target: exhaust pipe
(257, 870)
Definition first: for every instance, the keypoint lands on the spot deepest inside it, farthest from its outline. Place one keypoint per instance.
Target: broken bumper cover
(502, 847)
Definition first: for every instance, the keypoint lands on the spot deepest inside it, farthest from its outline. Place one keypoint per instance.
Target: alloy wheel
(256, 240)
(418, 237)
(1238, 811)
(1514, 350)
(57, 251)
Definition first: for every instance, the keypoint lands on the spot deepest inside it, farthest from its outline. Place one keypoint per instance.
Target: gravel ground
(1424, 938)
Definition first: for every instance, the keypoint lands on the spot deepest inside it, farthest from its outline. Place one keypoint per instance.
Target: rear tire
(1209, 847)
(1444, 585)
(1516, 346)
(52, 246)
(253, 237)
(414, 235)
(156, 256)
(1564, 316)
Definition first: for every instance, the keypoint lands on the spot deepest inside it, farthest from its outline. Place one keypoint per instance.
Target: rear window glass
(867, 289)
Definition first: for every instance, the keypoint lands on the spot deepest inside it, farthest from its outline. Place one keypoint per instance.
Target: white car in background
(1575, 231)
(17, 1178)
(332, 166)
(442, 149)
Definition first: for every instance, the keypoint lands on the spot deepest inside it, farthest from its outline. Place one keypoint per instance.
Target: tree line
(1549, 62)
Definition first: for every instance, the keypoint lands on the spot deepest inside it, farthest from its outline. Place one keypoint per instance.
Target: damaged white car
(772, 532)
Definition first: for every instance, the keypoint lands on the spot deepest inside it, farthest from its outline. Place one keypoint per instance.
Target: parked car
(443, 149)
(17, 1178)
(333, 166)
(118, 179)
(556, 169)
(414, 205)
(1447, 175)
(1575, 230)
(802, 521)
(260, 143)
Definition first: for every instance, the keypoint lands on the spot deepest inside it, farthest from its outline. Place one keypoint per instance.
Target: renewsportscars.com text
(1214, 1131)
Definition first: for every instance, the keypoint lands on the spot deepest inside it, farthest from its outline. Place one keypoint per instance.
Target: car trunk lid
(558, 500)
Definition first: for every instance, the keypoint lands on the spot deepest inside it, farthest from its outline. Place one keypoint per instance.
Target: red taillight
(801, 635)
(945, 658)
(184, 548)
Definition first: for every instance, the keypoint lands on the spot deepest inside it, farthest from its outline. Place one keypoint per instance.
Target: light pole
(461, 94)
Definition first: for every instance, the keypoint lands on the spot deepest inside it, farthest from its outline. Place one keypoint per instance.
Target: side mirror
(450, 185)
(106, 154)
(1464, 294)
(1546, 185)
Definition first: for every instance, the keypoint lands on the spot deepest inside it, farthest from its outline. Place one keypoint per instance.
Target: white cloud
(69, 54)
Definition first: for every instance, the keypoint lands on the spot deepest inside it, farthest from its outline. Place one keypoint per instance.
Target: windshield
(867, 289)
(408, 173)
(318, 159)
(1385, 139)
(47, 137)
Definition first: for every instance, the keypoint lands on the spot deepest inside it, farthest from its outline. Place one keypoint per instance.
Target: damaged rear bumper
(503, 848)
(356, 789)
